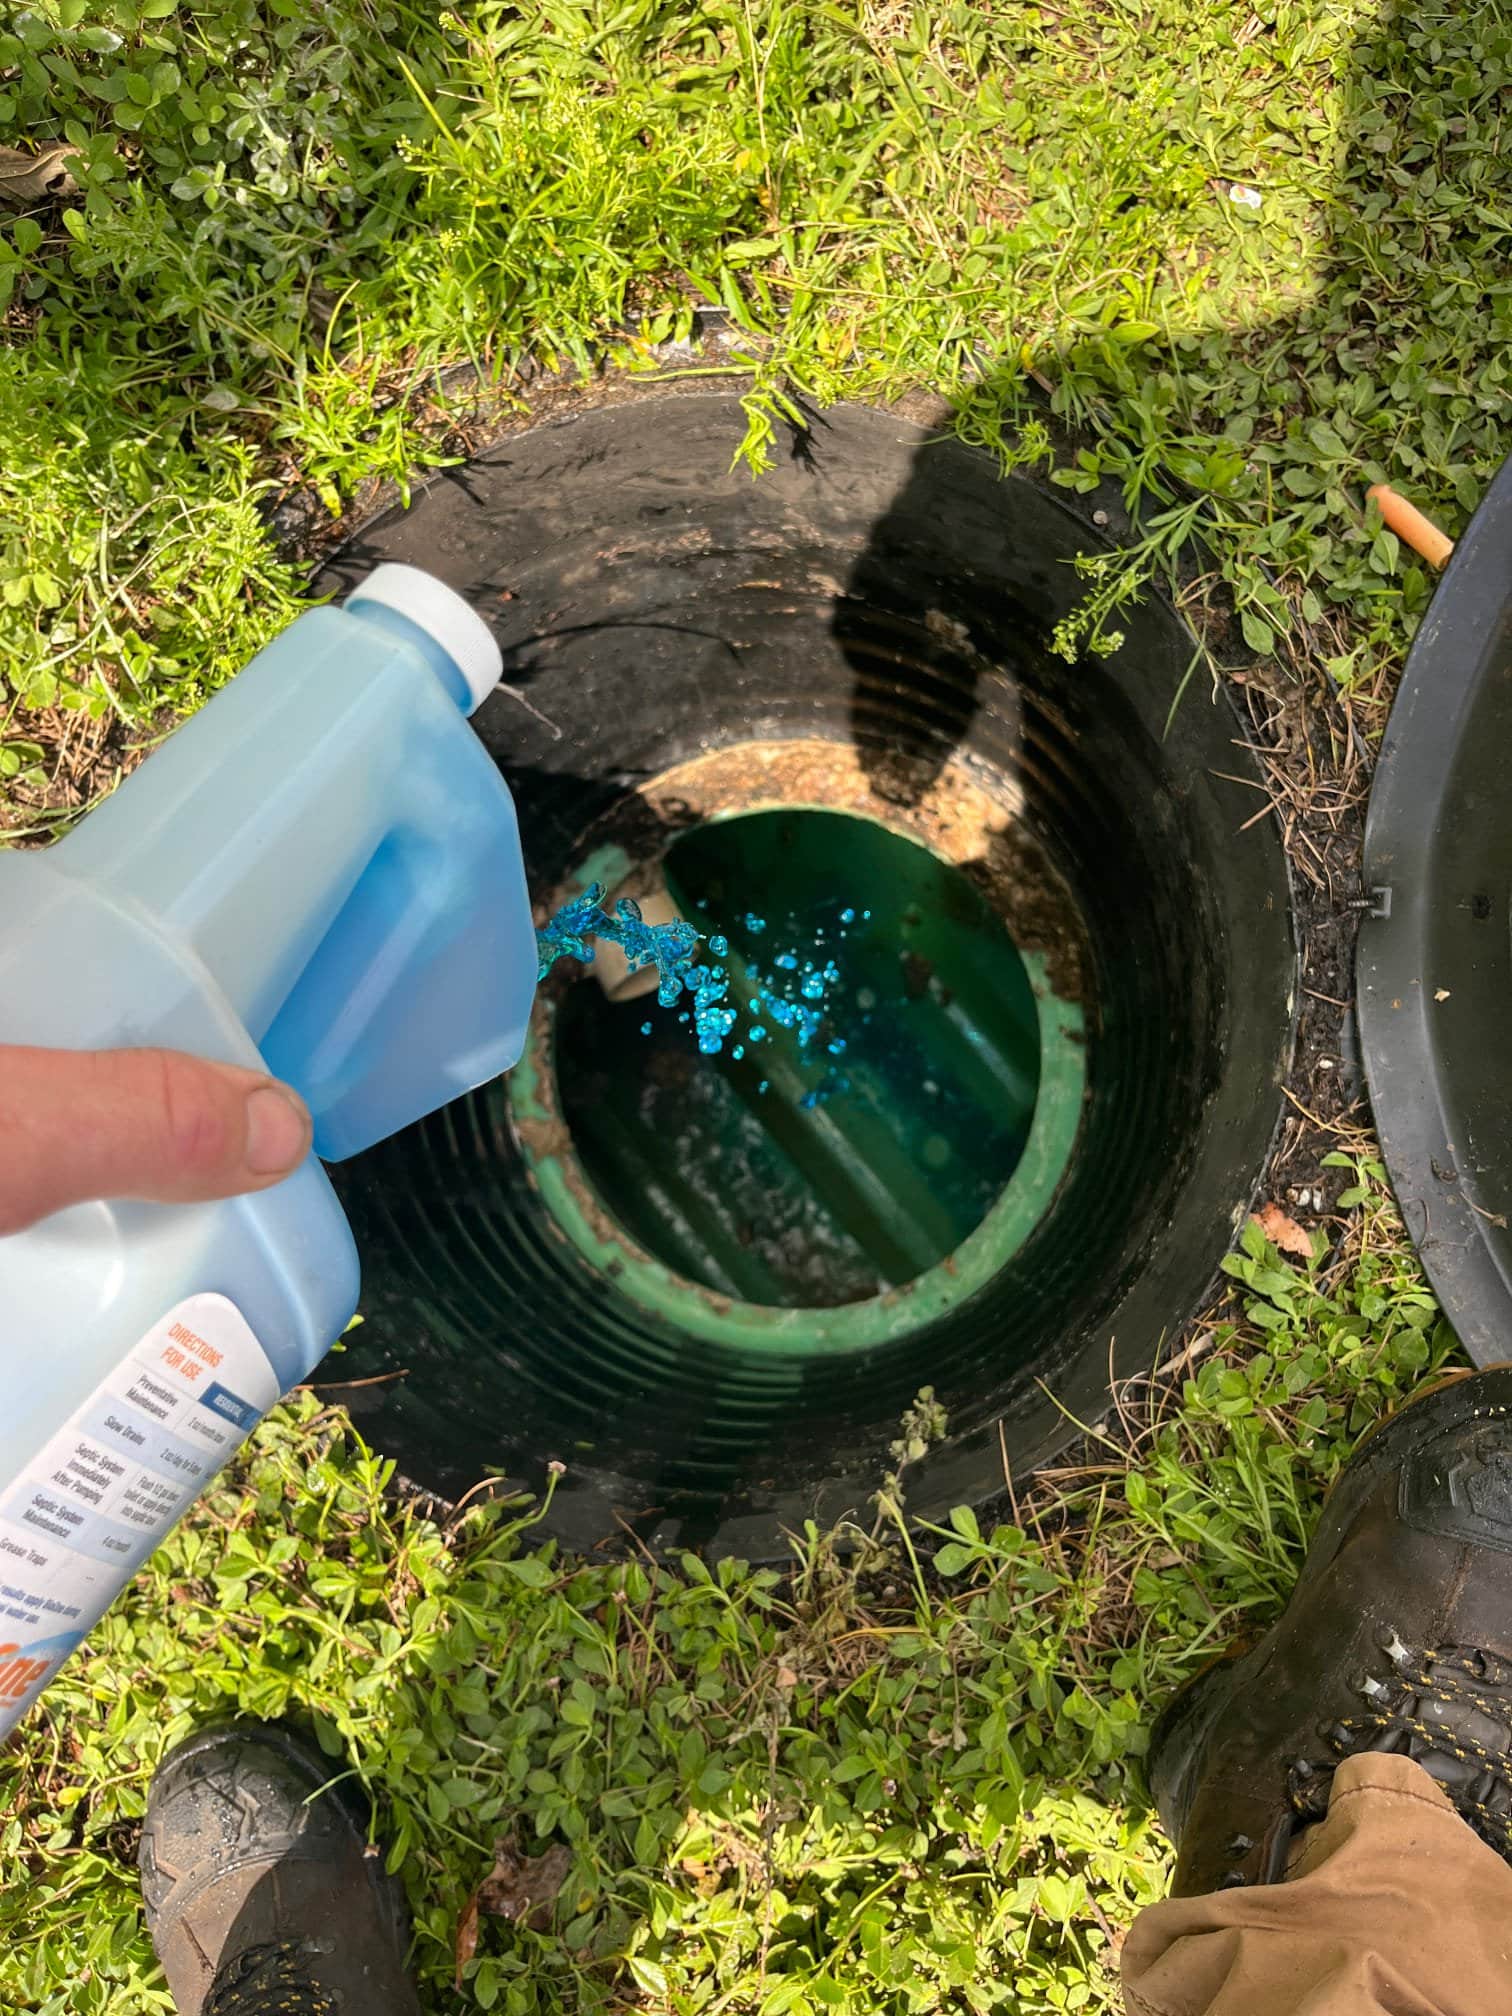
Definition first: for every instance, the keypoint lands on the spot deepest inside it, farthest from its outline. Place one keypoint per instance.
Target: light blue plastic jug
(320, 872)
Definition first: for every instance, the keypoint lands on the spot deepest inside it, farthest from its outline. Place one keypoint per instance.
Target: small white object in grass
(1441, 994)
(1242, 194)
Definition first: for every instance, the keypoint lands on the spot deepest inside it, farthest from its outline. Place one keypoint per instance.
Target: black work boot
(263, 1898)
(1398, 1637)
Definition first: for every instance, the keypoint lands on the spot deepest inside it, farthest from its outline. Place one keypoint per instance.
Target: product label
(85, 1514)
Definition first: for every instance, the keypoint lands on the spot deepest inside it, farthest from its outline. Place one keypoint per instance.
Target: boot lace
(1420, 1709)
(269, 1981)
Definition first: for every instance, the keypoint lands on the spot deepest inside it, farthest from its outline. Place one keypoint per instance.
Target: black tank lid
(1435, 953)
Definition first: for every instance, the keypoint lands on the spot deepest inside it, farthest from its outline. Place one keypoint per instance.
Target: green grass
(889, 1791)
(883, 1785)
(290, 215)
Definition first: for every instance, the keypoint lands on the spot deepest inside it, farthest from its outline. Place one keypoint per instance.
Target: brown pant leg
(1391, 1907)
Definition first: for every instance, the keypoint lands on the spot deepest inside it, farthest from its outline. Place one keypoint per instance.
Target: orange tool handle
(1408, 523)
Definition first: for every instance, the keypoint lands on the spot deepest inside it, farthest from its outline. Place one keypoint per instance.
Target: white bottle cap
(444, 617)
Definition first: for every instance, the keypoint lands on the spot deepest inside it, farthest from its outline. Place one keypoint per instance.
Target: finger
(138, 1123)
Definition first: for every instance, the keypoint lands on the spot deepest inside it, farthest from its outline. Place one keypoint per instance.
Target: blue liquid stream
(674, 951)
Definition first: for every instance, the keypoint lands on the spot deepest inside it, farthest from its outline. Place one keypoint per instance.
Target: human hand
(155, 1124)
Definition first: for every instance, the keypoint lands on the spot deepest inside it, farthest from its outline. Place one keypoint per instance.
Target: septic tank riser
(885, 592)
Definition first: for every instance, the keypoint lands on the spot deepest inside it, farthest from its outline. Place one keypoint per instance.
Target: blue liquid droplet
(673, 950)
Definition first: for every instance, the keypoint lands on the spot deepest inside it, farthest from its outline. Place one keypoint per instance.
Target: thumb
(80, 1124)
